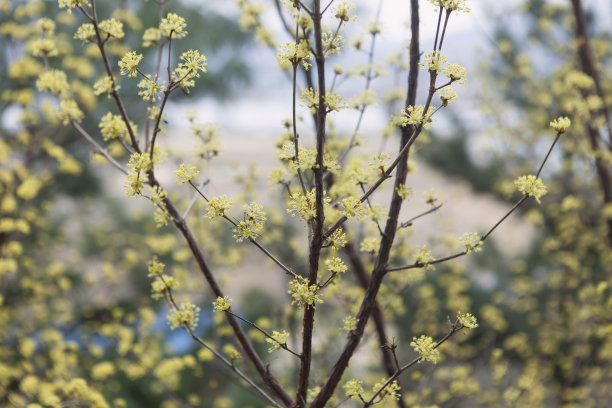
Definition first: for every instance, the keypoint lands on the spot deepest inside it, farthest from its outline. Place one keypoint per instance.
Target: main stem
(316, 241)
(378, 273)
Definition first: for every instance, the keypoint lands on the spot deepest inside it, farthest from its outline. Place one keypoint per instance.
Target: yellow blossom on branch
(561, 124)
(222, 304)
(129, 63)
(278, 340)
(173, 26)
(467, 320)
(353, 388)
(531, 186)
(185, 174)
(304, 294)
(186, 314)
(217, 206)
(251, 227)
(471, 241)
(424, 345)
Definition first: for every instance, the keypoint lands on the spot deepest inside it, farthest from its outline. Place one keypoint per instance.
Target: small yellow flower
(291, 53)
(278, 340)
(471, 241)
(335, 265)
(111, 28)
(186, 314)
(467, 320)
(353, 388)
(173, 26)
(531, 185)
(232, 352)
(69, 111)
(129, 64)
(561, 124)
(424, 345)
(222, 304)
(423, 257)
(217, 206)
(303, 294)
(185, 174)
(350, 323)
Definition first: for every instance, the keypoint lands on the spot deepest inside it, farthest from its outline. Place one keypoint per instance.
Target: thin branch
(455, 327)
(99, 148)
(225, 361)
(265, 333)
(416, 217)
(195, 198)
(257, 244)
(109, 72)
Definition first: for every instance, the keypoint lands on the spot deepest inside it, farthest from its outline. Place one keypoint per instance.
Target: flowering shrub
(344, 267)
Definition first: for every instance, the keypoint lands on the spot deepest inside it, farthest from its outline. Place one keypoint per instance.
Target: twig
(265, 333)
(243, 376)
(99, 148)
(253, 241)
(455, 327)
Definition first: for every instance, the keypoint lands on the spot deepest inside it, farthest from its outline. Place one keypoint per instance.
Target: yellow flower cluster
(353, 388)
(433, 61)
(417, 116)
(186, 314)
(304, 294)
(129, 63)
(232, 352)
(451, 5)
(151, 36)
(531, 185)
(222, 304)
(380, 162)
(140, 163)
(423, 257)
(370, 245)
(192, 62)
(335, 265)
(70, 4)
(403, 191)
(173, 26)
(185, 174)
(53, 81)
(155, 267)
(217, 206)
(342, 9)
(455, 72)
(390, 392)
(471, 241)
(350, 323)
(290, 54)
(278, 340)
(104, 85)
(161, 285)
(86, 32)
(113, 127)
(447, 96)
(253, 224)
(111, 28)
(69, 111)
(150, 88)
(561, 124)
(467, 320)
(337, 240)
(424, 345)
(303, 205)
(353, 208)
